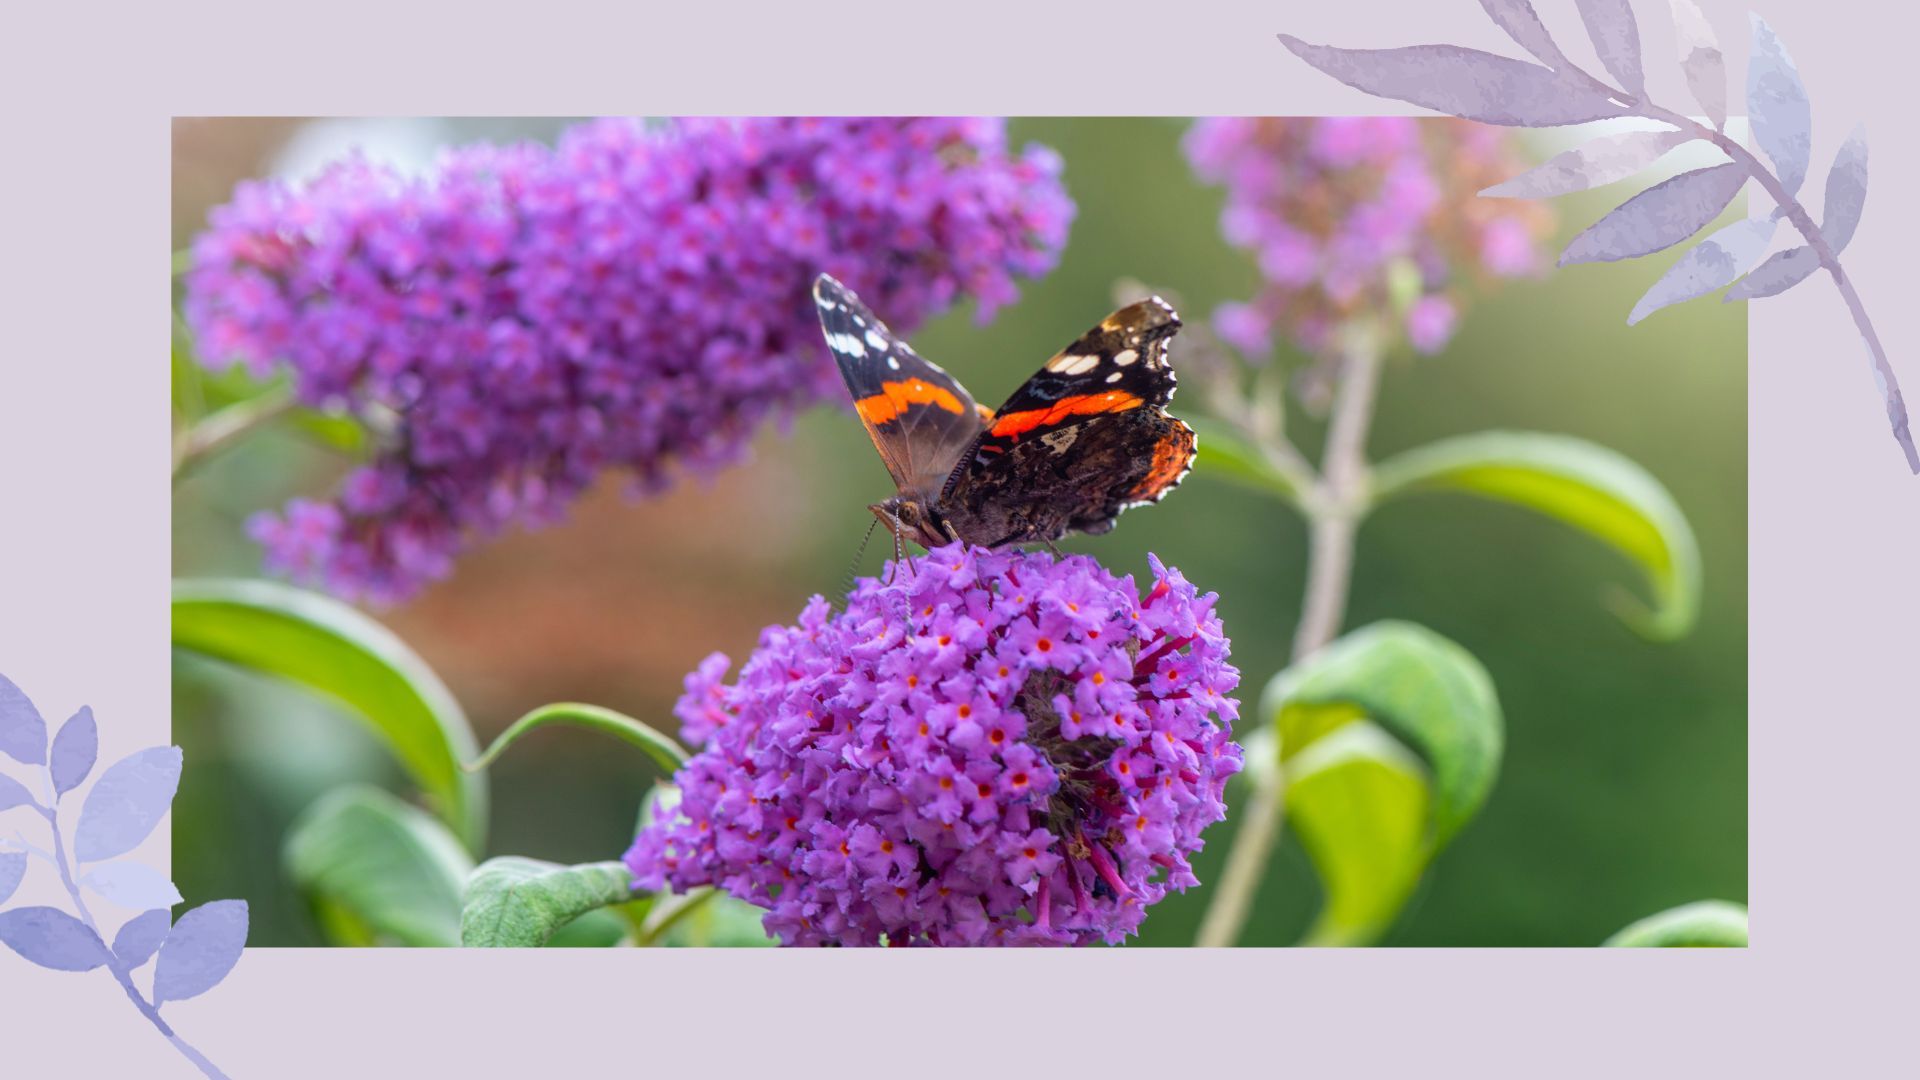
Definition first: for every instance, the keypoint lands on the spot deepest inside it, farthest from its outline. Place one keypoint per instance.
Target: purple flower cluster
(526, 317)
(1362, 217)
(996, 749)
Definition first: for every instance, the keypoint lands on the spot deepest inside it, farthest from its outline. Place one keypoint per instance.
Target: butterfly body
(1085, 438)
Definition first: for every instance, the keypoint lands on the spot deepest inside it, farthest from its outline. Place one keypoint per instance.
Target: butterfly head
(909, 517)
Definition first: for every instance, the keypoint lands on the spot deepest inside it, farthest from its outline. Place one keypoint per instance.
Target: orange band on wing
(1171, 457)
(895, 398)
(1015, 424)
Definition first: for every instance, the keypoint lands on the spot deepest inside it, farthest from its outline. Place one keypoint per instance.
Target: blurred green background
(1624, 787)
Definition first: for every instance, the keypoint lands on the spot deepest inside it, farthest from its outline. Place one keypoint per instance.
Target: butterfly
(1085, 438)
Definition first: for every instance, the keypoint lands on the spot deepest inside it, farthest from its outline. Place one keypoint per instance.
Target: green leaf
(1704, 923)
(1358, 802)
(379, 870)
(512, 902)
(1390, 739)
(1222, 454)
(1584, 485)
(664, 751)
(336, 651)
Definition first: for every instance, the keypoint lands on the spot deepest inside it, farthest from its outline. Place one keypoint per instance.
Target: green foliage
(514, 902)
(1586, 486)
(1389, 740)
(664, 751)
(332, 649)
(378, 870)
(1704, 923)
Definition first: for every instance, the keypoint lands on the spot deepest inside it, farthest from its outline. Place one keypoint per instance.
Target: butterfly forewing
(920, 418)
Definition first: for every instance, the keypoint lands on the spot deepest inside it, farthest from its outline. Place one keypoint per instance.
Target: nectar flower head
(994, 749)
(1362, 217)
(524, 318)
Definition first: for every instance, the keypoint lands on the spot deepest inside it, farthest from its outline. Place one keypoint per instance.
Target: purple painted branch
(114, 963)
(1797, 214)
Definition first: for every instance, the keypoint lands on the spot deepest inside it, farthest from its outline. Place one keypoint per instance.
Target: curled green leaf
(334, 650)
(379, 871)
(664, 751)
(1390, 739)
(1584, 485)
(1704, 923)
(512, 902)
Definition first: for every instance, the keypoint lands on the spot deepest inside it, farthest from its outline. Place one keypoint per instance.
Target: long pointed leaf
(1659, 217)
(1707, 266)
(336, 651)
(1592, 164)
(1523, 25)
(1461, 82)
(1777, 107)
(1781, 271)
(1616, 40)
(1584, 485)
(1846, 191)
(1701, 60)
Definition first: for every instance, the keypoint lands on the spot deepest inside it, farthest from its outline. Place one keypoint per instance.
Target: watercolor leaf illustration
(1555, 91)
(121, 810)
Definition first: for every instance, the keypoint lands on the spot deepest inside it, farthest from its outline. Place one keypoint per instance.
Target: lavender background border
(83, 577)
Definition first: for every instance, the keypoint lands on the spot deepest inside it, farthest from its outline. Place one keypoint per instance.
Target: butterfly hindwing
(920, 418)
(1086, 437)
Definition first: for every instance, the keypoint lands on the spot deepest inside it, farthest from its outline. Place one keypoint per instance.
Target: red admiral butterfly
(1087, 437)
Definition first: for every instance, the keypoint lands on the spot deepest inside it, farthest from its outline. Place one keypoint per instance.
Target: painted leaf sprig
(122, 808)
(1554, 91)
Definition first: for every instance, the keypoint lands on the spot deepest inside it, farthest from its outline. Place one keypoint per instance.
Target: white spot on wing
(1116, 376)
(876, 340)
(893, 362)
(1072, 364)
(1125, 357)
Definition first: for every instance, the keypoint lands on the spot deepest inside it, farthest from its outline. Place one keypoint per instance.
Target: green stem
(664, 751)
(667, 911)
(1339, 499)
(203, 440)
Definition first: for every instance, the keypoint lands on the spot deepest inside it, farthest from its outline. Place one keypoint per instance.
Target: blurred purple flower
(996, 749)
(1343, 213)
(1430, 323)
(526, 318)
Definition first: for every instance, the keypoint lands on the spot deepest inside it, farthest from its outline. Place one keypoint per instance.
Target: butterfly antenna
(846, 584)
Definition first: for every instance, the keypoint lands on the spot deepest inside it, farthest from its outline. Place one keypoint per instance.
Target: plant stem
(211, 435)
(1830, 259)
(1339, 497)
(119, 969)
